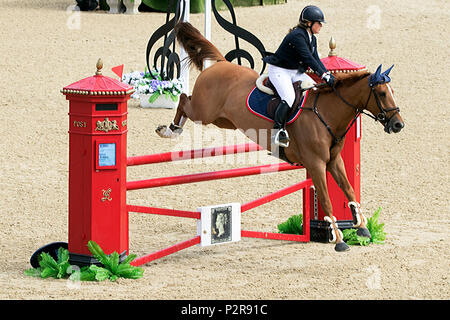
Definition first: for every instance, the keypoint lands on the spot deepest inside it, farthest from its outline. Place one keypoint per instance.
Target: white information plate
(106, 154)
(219, 224)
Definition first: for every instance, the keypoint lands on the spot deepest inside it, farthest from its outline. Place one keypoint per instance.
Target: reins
(381, 116)
(316, 112)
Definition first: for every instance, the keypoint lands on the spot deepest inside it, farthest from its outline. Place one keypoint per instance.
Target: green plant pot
(161, 5)
(103, 5)
(249, 3)
(197, 6)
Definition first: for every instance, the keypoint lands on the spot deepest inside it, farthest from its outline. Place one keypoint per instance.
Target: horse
(317, 135)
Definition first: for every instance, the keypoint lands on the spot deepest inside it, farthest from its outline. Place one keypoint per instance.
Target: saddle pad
(257, 104)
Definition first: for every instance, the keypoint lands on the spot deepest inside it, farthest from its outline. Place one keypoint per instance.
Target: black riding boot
(281, 137)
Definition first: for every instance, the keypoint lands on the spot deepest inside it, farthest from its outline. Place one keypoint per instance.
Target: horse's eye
(382, 94)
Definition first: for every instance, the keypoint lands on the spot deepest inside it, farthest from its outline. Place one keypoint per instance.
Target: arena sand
(44, 47)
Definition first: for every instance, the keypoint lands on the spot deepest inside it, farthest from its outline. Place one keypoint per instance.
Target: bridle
(381, 116)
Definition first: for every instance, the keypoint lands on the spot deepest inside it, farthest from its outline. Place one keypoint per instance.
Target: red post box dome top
(98, 85)
(338, 64)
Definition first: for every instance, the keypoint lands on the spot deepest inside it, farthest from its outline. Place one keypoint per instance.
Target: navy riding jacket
(297, 52)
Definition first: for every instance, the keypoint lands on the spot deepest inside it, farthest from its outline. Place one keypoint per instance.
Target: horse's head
(384, 108)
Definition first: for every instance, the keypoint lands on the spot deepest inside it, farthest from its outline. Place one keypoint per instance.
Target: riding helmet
(311, 13)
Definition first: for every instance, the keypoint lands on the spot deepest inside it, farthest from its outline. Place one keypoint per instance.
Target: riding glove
(329, 78)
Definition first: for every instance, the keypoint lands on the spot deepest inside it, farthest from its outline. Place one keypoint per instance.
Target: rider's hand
(328, 78)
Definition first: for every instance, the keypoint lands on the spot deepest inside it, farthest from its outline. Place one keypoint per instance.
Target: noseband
(381, 116)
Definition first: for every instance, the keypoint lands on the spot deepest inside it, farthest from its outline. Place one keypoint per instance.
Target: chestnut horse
(317, 136)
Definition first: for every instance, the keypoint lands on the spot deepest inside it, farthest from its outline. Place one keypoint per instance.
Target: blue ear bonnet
(379, 78)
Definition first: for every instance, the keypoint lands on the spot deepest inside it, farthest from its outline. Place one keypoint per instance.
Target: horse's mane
(347, 79)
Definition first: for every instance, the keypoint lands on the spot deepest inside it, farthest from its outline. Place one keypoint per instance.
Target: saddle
(263, 83)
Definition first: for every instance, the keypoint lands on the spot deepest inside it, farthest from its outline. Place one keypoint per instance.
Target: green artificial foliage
(293, 225)
(351, 238)
(112, 269)
(48, 267)
(375, 228)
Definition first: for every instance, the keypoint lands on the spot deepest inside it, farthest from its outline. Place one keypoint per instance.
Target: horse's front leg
(318, 176)
(176, 127)
(337, 169)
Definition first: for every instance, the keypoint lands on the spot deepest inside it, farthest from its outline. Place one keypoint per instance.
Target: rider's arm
(305, 55)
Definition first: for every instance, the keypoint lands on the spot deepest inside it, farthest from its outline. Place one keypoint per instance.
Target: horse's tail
(196, 45)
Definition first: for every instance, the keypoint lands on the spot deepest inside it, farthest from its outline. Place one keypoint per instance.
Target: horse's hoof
(341, 247)
(363, 232)
(165, 132)
(160, 129)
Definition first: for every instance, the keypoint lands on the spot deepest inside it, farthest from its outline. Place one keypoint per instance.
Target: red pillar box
(97, 165)
(351, 154)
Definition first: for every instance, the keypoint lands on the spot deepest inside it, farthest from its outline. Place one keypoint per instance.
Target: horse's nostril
(399, 125)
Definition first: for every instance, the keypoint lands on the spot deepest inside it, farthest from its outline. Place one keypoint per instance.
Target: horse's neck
(338, 112)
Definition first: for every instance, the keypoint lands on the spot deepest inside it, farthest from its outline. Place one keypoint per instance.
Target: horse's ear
(376, 77)
(384, 77)
(388, 70)
(378, 72)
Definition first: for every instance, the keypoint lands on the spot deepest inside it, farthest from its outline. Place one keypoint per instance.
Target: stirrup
(276, 139)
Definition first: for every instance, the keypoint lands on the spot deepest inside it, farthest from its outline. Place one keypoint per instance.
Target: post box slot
(105, 106)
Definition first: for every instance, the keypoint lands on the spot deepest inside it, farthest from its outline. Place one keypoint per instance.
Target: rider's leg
(307, 81)
(281, 136)
(282, 81)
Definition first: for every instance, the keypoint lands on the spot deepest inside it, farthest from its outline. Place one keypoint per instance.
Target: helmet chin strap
(310, 28)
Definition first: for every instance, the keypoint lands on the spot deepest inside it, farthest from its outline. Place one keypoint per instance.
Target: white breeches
(282, 79)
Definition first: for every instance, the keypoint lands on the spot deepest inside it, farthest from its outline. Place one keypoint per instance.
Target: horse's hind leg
(176, 127)
(337, 169)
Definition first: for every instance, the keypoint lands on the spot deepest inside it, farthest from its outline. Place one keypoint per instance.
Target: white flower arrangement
(153, 85)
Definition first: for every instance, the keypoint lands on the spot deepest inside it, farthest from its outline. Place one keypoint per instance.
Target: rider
(288, 64)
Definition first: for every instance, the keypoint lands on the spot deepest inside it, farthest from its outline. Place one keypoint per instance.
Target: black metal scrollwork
(173, 59)
(239, 32)
(166, 31)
